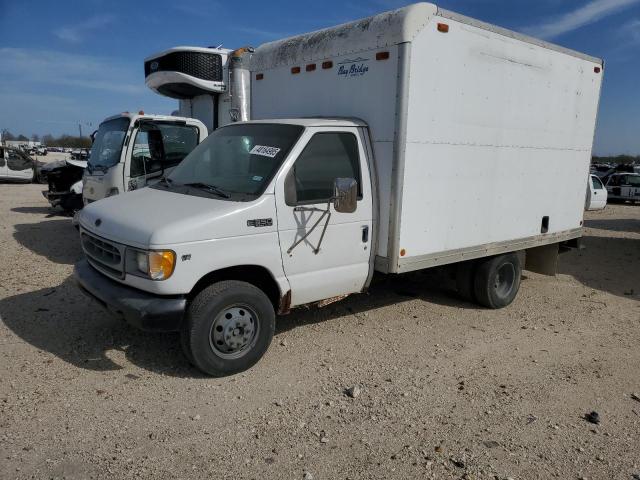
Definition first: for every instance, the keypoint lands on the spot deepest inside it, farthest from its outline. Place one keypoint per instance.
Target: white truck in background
(407, 140)
(133, 150)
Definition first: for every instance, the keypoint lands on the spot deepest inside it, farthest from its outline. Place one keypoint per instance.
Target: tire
(465, 274)
(497, 280)
(229, 327)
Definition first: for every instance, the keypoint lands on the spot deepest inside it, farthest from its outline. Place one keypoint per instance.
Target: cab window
(326, 157)
(158, 147)
(597, 184)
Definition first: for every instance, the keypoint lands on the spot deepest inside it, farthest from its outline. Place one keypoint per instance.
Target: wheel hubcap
(234, 331)
(504, 280)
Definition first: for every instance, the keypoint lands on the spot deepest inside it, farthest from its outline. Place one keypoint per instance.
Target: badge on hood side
(98, 222)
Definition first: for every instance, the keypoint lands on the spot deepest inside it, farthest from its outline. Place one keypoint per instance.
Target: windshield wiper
(209, 188)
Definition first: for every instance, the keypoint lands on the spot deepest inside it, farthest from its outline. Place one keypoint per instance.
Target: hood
(78, 163)
(152, 218)
(46, 166)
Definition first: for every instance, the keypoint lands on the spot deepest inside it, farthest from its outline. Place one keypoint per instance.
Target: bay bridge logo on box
(353, 68)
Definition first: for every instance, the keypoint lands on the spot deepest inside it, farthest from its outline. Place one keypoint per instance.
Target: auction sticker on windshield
(264, 151)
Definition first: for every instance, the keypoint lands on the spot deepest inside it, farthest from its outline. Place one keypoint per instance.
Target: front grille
(104, 255)
(206, 66)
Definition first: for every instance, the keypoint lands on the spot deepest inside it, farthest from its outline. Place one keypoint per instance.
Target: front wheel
(497, 280)
(229, 326)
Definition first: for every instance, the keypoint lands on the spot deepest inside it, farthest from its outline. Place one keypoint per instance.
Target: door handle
(365, 234)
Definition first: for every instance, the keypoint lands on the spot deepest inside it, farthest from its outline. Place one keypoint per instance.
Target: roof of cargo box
(379, 31)
(313, 121)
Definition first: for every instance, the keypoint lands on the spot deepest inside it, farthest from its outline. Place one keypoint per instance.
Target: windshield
(236, 161)
(105, 152)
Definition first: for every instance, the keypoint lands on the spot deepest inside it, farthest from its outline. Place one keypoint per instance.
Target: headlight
(156, 264)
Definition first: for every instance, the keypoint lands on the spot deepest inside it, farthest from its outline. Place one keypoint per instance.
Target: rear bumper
(139, 309)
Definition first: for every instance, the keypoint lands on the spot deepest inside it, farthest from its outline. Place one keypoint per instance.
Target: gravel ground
(446, 389)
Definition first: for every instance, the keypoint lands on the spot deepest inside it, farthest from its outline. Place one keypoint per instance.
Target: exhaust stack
(240, 84)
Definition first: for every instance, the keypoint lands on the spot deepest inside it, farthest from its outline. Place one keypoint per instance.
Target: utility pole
(80, 129)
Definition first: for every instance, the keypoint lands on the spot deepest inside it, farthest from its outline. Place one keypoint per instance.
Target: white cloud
(591, 12)
(76, 33)
(51, 67)
(630, 31)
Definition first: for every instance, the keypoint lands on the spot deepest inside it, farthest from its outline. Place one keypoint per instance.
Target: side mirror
(345, 193)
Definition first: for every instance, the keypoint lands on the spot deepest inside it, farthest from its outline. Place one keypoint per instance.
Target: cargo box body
(482, 137)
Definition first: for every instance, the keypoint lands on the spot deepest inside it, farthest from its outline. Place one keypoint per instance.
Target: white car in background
(596, 194)
(16, 166)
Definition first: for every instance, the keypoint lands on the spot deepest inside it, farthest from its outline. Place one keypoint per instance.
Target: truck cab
(131, 151)
(256, 199)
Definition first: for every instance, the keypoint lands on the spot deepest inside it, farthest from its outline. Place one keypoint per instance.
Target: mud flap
(543, 260)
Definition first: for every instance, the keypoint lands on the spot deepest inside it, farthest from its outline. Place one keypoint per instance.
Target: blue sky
(66, 62)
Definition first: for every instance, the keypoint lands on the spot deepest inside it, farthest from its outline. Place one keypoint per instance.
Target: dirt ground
(448, 390)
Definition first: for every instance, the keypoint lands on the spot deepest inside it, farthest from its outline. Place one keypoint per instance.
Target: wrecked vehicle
(65, 184)
(17, 166)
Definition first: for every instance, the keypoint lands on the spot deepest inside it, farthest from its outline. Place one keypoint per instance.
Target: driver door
(157, 149)
(146, 159)
(334, 259)
(598, 194)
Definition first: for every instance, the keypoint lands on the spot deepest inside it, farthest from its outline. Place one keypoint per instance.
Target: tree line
(617, 159)
(68, 141)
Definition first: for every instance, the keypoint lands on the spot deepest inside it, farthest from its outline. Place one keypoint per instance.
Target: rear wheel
(229, 327)
(497, 280)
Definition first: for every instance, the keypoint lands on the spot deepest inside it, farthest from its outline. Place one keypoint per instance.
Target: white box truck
(403, 141)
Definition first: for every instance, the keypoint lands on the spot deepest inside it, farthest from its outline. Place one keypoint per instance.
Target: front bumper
(138, 308)
(54, 198)
(63, 199)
